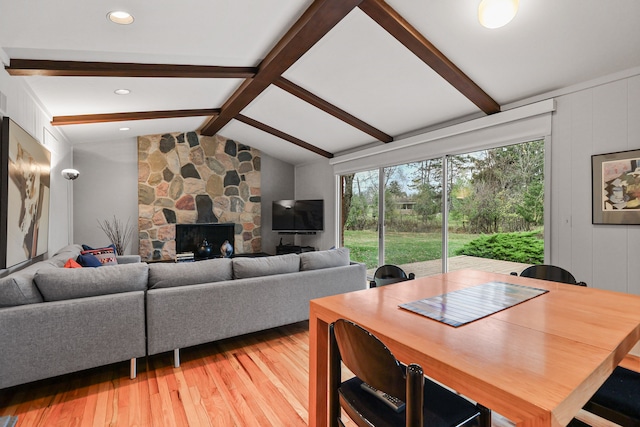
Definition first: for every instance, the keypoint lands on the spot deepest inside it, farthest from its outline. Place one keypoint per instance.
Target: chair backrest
(550, 272)
(369, 359)
(387, 274)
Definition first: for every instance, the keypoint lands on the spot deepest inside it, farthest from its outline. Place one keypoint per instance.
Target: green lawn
(401, 248)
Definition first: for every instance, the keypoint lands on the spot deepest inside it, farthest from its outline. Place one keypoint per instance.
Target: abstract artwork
(25, 186)
(616, 188)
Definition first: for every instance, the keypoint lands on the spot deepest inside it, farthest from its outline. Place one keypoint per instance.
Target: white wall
(277, 184)
(107, 187)
(597, 120)
(24, 109)
(316, 181)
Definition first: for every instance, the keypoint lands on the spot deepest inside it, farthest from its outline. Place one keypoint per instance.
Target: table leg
(318, 371)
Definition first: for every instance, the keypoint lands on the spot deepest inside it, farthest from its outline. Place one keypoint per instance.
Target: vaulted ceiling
(302, 80)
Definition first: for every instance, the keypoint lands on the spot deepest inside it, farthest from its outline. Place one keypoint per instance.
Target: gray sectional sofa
(55, 320)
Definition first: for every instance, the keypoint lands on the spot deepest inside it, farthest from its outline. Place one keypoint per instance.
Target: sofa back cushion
(324, 259)
(245, 267)
(18, 289)
(168, 275)
(57, 284)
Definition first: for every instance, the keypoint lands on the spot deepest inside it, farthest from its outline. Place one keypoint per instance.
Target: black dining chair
(550, 272)
(388, 274)
(618, 399)
(385, 393)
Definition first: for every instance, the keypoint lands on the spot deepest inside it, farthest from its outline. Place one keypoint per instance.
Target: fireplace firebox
(191, 237)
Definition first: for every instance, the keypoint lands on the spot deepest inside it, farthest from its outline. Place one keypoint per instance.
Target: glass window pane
(413, 217)
(496, 207)
(359, 216)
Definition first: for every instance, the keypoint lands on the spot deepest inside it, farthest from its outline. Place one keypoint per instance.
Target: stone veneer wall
(187, 178)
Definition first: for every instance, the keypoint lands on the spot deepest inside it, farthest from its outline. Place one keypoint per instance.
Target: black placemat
(460, 307)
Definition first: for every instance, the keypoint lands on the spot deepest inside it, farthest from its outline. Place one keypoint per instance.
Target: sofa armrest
(128, 259)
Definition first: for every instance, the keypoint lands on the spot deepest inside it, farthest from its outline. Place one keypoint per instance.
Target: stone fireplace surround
(188, 178)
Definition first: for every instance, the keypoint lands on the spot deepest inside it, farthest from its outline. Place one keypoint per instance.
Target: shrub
(526, 248)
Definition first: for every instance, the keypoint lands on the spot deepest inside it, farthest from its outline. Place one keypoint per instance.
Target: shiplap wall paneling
(581, 255)
(633, 261)
(561, 221)
(610, 134)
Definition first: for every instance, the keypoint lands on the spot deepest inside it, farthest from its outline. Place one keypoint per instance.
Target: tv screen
(298, 215)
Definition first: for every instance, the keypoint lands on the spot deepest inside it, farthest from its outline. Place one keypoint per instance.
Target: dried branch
(120, 235)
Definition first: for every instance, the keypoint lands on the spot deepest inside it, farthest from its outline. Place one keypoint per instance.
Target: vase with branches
(118, 233)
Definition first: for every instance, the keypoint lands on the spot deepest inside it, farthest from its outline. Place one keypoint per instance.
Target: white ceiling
(358, 66)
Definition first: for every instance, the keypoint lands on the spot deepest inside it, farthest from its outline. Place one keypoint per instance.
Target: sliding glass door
(493, 210)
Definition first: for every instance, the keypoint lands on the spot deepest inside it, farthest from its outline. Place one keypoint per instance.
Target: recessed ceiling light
(122, 91)
(120, 17)
(124, 129)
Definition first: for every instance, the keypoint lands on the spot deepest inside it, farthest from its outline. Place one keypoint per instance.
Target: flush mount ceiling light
(120, 17)
(497, 13)
(122, 91)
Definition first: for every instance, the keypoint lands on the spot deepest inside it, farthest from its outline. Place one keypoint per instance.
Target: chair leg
(415, 396)
(485, 416)
(334, 380)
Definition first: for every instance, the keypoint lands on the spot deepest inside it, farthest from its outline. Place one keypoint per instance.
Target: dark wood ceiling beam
(123, 117)
(35, 67)
(314, 23)
(329, 108)
(266, 128)
(405, 33)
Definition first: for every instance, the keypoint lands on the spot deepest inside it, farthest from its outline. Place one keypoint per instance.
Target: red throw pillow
(71, 263)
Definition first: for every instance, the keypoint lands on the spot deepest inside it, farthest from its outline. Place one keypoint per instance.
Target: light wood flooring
(258, 379)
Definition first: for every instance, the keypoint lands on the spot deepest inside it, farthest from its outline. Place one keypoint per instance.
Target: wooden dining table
(535, 363)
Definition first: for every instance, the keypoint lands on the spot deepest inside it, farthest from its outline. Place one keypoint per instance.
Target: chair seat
(442, 407)
(620, 394)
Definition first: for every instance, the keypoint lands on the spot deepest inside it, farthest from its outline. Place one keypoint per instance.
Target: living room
(582, 116)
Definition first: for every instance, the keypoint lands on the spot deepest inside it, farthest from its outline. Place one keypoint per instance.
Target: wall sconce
(70, 174)
(497, 13)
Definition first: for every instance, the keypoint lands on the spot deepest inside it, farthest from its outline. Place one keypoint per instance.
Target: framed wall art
(25, 188)
(616, 187)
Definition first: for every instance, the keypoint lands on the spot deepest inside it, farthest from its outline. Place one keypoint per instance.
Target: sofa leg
(176, 358)
(134, 369)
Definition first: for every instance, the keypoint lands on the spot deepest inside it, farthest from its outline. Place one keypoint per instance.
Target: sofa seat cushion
(18, 289)
(324, 259)
(246, 267)
(69, 283)
(168, 275)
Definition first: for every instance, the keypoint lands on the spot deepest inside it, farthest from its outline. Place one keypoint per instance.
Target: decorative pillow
(71, 263)
(245, 267)
(324, 259)
(18, 289)
(64, 283)
(88, 260)
(89, 248)
(106, 256)
(168, 275)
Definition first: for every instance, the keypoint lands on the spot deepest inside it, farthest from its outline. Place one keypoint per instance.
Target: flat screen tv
(298, 216)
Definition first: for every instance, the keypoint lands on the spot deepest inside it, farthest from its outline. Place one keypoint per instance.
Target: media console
(293, 249)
